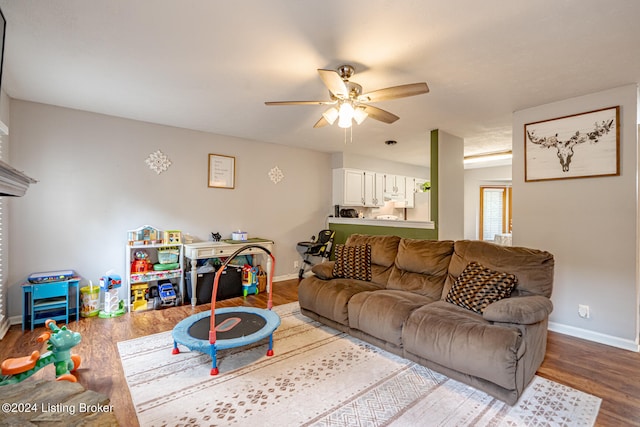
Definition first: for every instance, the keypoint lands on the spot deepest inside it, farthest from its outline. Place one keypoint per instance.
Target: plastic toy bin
(90, 301)
(168, 256)
(230, 285)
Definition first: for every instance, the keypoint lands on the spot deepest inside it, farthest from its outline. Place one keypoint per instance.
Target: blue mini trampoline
(228, 327)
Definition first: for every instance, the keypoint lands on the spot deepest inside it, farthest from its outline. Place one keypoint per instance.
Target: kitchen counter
(427, 225)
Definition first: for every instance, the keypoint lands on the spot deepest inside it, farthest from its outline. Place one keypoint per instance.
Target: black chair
(318, 247)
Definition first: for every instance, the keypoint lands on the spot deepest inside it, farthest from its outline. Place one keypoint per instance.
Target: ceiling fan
(349, 103)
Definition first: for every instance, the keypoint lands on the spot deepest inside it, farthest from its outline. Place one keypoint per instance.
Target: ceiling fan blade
(379, 114)
(320, 123)
(394, 92)
(334, 83)
(300, 102)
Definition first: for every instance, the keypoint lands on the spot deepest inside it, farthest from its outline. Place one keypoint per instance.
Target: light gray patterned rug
(320, 377)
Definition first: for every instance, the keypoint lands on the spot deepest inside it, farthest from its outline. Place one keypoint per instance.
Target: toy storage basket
(168, 255)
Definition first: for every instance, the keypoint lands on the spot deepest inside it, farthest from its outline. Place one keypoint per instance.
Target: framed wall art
(577, 146)
(222, 171)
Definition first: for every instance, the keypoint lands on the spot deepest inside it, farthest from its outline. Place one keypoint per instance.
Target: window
(495, 211)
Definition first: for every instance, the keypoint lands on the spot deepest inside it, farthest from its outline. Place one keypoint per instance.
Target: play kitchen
(359, 194)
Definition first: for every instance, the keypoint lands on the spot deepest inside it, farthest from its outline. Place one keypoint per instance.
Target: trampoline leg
(175, 350)
(270, 351)
(214, 361)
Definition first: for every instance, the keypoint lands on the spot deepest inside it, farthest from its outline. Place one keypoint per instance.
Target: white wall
(590, 225)
(347, 160)
(473, 179)
(451, 187)
(94, 185)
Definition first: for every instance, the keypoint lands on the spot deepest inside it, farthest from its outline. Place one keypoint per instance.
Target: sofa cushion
(421, 266)
(525, 310)
(353, 262)
(382, 313)
(463, 341)
(478, 286)
(329, 298)
(532, 267)
(383, 254)
(324, 270)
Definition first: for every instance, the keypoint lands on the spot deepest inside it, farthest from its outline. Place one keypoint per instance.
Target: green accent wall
(345, 230)
(434, 181)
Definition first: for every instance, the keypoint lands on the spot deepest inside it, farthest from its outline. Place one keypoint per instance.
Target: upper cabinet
(395, 185)
(410, 192)
(348, 187)
(373, 189)
(353, 187)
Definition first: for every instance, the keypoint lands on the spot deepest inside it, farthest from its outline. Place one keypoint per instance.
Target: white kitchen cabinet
(373, 189)
(410, 192)
(348, 187)
(418, 184)
(395, 185)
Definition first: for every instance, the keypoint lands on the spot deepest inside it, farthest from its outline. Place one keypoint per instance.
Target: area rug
(321, 377)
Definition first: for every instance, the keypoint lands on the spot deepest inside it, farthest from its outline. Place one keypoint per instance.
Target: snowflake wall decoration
(158, 162)
(276, 175)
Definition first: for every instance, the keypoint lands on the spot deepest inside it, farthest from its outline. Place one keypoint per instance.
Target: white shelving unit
(152, 277)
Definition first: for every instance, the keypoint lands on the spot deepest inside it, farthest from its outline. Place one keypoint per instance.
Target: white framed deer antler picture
(578, 146)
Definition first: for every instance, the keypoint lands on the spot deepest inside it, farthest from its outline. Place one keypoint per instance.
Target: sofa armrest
(324, 270)
(525, 310)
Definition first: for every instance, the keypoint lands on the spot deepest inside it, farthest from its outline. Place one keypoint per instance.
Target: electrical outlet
(296, 265)
(583, 311)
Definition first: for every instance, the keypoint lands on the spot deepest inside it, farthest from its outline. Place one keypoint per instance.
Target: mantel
(12, 181)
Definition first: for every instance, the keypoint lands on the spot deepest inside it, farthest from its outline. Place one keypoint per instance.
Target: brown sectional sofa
(403, 309)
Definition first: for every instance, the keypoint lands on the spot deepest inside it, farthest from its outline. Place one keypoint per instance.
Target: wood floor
(607, 372)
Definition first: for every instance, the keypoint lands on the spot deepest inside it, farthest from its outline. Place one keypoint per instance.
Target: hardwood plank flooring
(607, 372)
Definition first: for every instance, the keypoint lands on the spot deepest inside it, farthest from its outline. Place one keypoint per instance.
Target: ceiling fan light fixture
(346, 115)
(331, 115)
(359, 115)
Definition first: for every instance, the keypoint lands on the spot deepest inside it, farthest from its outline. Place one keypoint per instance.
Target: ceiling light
(331, 115)
(359, 115)
(346, 115)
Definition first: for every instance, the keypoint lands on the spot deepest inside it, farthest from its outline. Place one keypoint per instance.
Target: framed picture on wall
(222, 171)
(577, 146)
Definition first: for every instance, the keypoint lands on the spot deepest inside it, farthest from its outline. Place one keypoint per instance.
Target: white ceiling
(209, 65)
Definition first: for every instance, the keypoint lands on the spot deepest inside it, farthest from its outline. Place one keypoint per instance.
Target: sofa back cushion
(533, 268)
(421, 266)
(383, 254)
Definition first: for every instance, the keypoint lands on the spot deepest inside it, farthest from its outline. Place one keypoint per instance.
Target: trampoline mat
(248, 324)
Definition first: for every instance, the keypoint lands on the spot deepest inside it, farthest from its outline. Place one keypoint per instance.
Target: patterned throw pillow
(479, 286)
(353, 262)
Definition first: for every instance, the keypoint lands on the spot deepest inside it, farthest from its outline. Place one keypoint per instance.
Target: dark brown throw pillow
(479, 286)
(353, 262)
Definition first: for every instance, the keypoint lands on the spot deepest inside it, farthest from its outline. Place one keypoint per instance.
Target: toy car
(166, 294)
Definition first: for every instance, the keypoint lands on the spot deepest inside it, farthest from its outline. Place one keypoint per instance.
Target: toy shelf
(151, 278)
(155, 275)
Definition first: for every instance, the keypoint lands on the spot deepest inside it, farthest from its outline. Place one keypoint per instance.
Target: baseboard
(15, 320)
(595, 336)
(285, 277)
